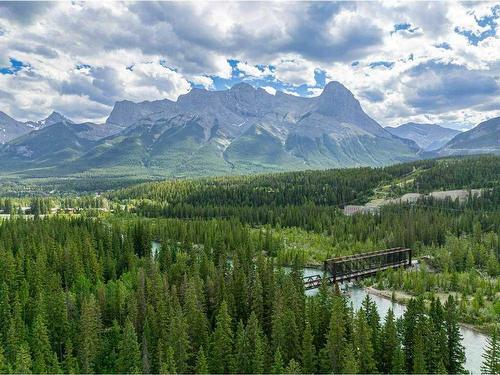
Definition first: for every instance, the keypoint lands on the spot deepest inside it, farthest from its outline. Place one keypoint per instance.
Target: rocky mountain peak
(55, 117)
(335, 88)
(242, 87)
(338, 102)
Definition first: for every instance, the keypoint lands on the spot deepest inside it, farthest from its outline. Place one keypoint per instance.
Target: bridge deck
(357, 266)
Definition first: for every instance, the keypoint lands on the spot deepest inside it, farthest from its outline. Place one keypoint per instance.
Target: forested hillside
(91, 298)
(188, 276)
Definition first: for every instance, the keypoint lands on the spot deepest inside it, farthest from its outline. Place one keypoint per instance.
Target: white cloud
(296, 71)
(269, 89)
(152, 81)
(252, 70)
(167, 45)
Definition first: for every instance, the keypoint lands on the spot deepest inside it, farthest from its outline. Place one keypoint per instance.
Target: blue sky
(405, 61)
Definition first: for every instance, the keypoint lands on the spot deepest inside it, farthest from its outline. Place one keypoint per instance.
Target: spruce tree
(419, 366)
(201, 362)
(241, 357)
(491, 356)
(441, 369)
(70, 361)
(389, 344)
(373, 320)
(363, 344)
(90, 330)
(331, 354)
(455, 355)
(42, 352)
(350, 363)
(413, 314)
(23, 363)
(194, 312)
(4, 368)
(129, 355)
(293, 367)
(167, 361)
(437, 339)
(255, 346)
(258, 299)
(277, 367)
(179, 338)
(308, 354)
(222, 342)
(398, 363)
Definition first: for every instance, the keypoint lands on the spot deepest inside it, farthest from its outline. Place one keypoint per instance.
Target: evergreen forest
(206, 275)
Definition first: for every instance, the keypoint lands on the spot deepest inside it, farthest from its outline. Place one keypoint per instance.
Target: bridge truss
(353, 267)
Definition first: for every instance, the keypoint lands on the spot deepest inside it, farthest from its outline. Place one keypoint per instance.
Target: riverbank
(403, 298)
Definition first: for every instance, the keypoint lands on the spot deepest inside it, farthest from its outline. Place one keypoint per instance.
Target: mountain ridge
(483, 138)
(239, 130)
(429, 137)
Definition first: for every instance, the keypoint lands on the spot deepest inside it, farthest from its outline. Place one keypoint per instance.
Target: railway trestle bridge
(354, 267)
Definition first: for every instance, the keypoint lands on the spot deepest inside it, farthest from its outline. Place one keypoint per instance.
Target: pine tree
(308, 355)
(350, 363)
(129, 355)
(373, 319)
(90, 329)
(179, 338)
(257, 299)
(23, 362)
(414, 314)
(441, 369)
(491, 356)
(331, 354)
(277, 367)
(201, 362)
(436, 339)
(4, 368)
(419, 366)
(398, 362)
(363, 344)
(389, 344)
(53, 366)
(254, 342)
(167, 365)
(70, 362)
(455, 355)
(241, 360)
(42, 352)
(195, 315)
(222, 342)
(293, 367)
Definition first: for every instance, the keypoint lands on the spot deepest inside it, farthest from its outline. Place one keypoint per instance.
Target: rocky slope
(10, 128)
(482, 139)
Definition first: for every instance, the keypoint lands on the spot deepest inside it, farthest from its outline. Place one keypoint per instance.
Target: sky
(428, 62)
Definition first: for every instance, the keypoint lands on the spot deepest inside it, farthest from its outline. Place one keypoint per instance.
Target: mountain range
(239, 130)
(429, 137)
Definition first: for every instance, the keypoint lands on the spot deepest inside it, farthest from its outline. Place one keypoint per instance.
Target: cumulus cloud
(438, 88)
(403, 60)
(296, 72)
(23, 12)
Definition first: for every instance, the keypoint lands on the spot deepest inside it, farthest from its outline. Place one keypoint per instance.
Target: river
(473, 342)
